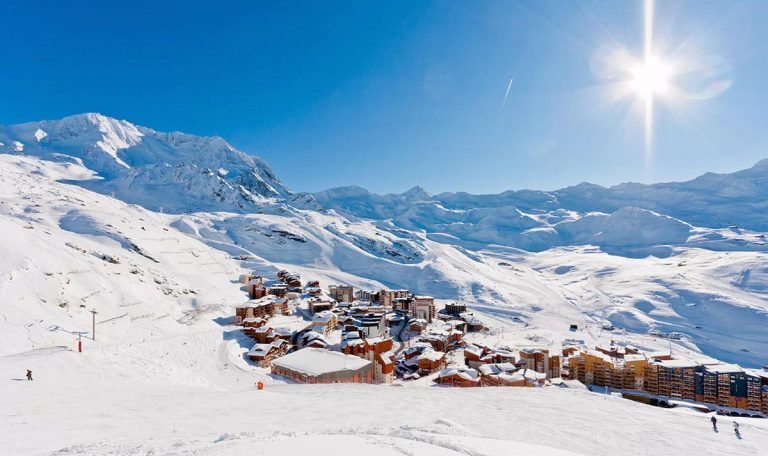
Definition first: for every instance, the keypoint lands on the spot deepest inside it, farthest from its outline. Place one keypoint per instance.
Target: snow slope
(574, 266)
(164, 284)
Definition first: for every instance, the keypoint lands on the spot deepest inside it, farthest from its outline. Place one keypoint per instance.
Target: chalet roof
(496, 369)
(465, 373)
(319, 361)
(261, 349)
(477, 351)
(283, 330)
(432, 355)
(511, 376)
(323, 317)
(531, 374)
(312, 335)
(417, 348)
(386, 357)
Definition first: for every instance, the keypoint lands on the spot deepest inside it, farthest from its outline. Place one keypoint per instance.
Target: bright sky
(388, 95)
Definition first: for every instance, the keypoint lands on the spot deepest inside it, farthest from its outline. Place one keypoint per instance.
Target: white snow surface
(167, 374)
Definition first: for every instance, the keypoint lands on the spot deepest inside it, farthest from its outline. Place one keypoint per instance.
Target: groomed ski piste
(167, 373)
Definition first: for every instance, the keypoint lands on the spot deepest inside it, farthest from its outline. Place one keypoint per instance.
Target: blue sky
(388, 95)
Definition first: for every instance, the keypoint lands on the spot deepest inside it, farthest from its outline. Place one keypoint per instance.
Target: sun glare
(650, 78)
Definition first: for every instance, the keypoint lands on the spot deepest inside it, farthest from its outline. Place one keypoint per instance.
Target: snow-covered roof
(323, 317)
(260, 349)
(284, 331)
(724, 368)
(634, 357)
(432, 355)
(511, 377)
(495, 369)
(678, 363)
(319, 361)
(477, 351)
(464, 372)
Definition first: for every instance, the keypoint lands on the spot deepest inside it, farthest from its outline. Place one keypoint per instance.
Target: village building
(255, 289)
(352, 343)
(316, 305)
(473, 355)
(403, 304)
(313, 291)
(342, 293)
(417, 325)
(260, 309)
(413, 352)
(280, 306)
(431, 361)
(474, 324)
(372, 324)
(665, 376)
(263, 334)
(315, 365)
(540, 361)
(263, 354)
(393, 319)
(286, 333)
(253, 322)
(498, 355)
(387, 297)
(313, 339)
(324, 322)
(291, 279)
(502, 374)
(455, 309)
(458, 376)
(279, 290)
(365, 295)
(457, 325)
(245, 278)
(442, 340)
(423, 307)
(378, 350)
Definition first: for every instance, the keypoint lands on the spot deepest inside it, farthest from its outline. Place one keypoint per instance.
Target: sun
(650, 78)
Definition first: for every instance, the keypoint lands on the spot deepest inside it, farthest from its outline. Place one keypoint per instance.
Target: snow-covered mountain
(639, 256)
(624, 216)
(174, 172)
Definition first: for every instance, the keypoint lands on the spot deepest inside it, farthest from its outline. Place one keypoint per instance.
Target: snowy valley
(154, 230)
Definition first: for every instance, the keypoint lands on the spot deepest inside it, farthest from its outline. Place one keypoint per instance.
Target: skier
(29, 374)
(736, 429)
(714, 422)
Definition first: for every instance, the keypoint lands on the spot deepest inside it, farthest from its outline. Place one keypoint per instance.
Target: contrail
(509, 86)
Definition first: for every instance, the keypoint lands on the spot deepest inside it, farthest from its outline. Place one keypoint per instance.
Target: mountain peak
(417, 192)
